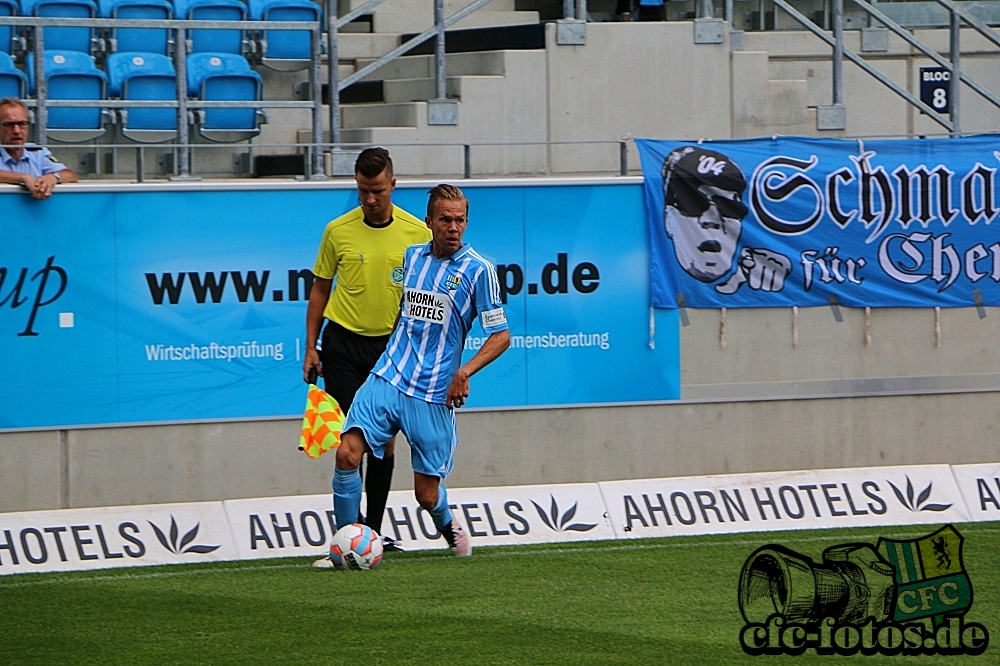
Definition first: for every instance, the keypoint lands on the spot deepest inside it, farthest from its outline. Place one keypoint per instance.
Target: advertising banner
(303, 526)
(105, 537)
(186, 304)
(287, 526)
(799, 221)
(980, 486)
(784, 501)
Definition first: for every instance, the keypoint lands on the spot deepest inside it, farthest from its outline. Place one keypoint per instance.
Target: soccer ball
(356, 547)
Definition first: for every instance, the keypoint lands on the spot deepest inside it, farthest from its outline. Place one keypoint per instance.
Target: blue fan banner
(799, 221)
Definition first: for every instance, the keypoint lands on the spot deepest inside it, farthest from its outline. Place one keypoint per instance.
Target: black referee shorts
(347, 359)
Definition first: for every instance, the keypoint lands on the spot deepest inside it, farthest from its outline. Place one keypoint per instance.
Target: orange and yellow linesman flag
(321, 424)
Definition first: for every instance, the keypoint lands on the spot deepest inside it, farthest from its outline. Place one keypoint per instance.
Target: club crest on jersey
(397, 275)
(452, 282)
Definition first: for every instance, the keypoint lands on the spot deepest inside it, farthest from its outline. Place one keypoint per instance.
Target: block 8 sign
(935, 84)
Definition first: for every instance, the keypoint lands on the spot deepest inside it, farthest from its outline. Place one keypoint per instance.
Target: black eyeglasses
(692, 202)
(11, 124)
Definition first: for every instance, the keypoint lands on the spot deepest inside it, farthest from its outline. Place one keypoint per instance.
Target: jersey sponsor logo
(493, 318)
(425, 305)
(397, 275)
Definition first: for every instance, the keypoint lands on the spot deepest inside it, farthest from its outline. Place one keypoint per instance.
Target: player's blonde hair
(447, 192)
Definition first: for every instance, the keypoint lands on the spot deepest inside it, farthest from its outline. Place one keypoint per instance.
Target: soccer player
(419, 380)
(364, 250)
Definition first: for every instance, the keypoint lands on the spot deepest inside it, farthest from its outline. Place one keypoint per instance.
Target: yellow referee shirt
(368, 264)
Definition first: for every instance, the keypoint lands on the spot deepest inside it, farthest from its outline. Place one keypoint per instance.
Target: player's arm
(495, 345)
(489, 304)
(318, 297)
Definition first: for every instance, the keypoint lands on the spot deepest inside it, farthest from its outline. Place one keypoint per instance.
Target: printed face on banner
(703, 215)
(704, 243)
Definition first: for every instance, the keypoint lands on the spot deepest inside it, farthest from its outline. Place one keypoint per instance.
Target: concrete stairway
(492, 107)
(767, 97)
(402, 16)
(497, 102)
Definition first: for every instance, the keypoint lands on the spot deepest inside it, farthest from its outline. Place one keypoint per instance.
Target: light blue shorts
(380, 410)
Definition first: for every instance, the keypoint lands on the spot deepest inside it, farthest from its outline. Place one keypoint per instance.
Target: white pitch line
(525, 551)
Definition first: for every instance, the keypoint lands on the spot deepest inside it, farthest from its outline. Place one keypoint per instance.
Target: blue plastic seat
(144, 76)
(7, 8)
(13, 82)
(64, 39)
(286, 50)
(224, 76)
(71, 75)
(147, 40)
(213, 41)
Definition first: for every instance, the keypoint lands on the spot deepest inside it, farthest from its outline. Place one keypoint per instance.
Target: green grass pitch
(663, 601)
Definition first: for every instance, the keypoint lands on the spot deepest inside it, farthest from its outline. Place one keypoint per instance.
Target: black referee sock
(448, 532)
(377, 484)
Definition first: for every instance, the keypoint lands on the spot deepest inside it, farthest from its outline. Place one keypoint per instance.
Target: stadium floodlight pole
(333, 71)
(41, 88)
(180, 64)
(316, 171)
(837, 74)
(955, 56)
(439, 56)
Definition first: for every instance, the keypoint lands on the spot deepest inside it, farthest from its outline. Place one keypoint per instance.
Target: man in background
(363, 249)
(25, 164)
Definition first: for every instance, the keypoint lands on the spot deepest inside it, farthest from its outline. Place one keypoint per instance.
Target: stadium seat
(213, 41)
(71, 75)
(13, 82)
(138, 76)
(224, 76)
(286, 50)
(7, 8)
(147, 40)
(64, 39)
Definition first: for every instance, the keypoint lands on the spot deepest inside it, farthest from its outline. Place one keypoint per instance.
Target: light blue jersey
(441, 299)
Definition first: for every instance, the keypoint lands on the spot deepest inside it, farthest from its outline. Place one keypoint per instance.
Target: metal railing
(617, 162)
(182, 103)
(952, 63)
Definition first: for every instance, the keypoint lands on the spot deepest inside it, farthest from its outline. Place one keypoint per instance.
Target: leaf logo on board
(919, 504)
(182, 547)
(557, 524)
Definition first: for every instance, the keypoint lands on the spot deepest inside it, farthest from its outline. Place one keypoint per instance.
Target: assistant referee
(363, 249)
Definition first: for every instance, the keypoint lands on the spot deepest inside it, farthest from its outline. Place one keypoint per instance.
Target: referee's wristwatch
(58, 177)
